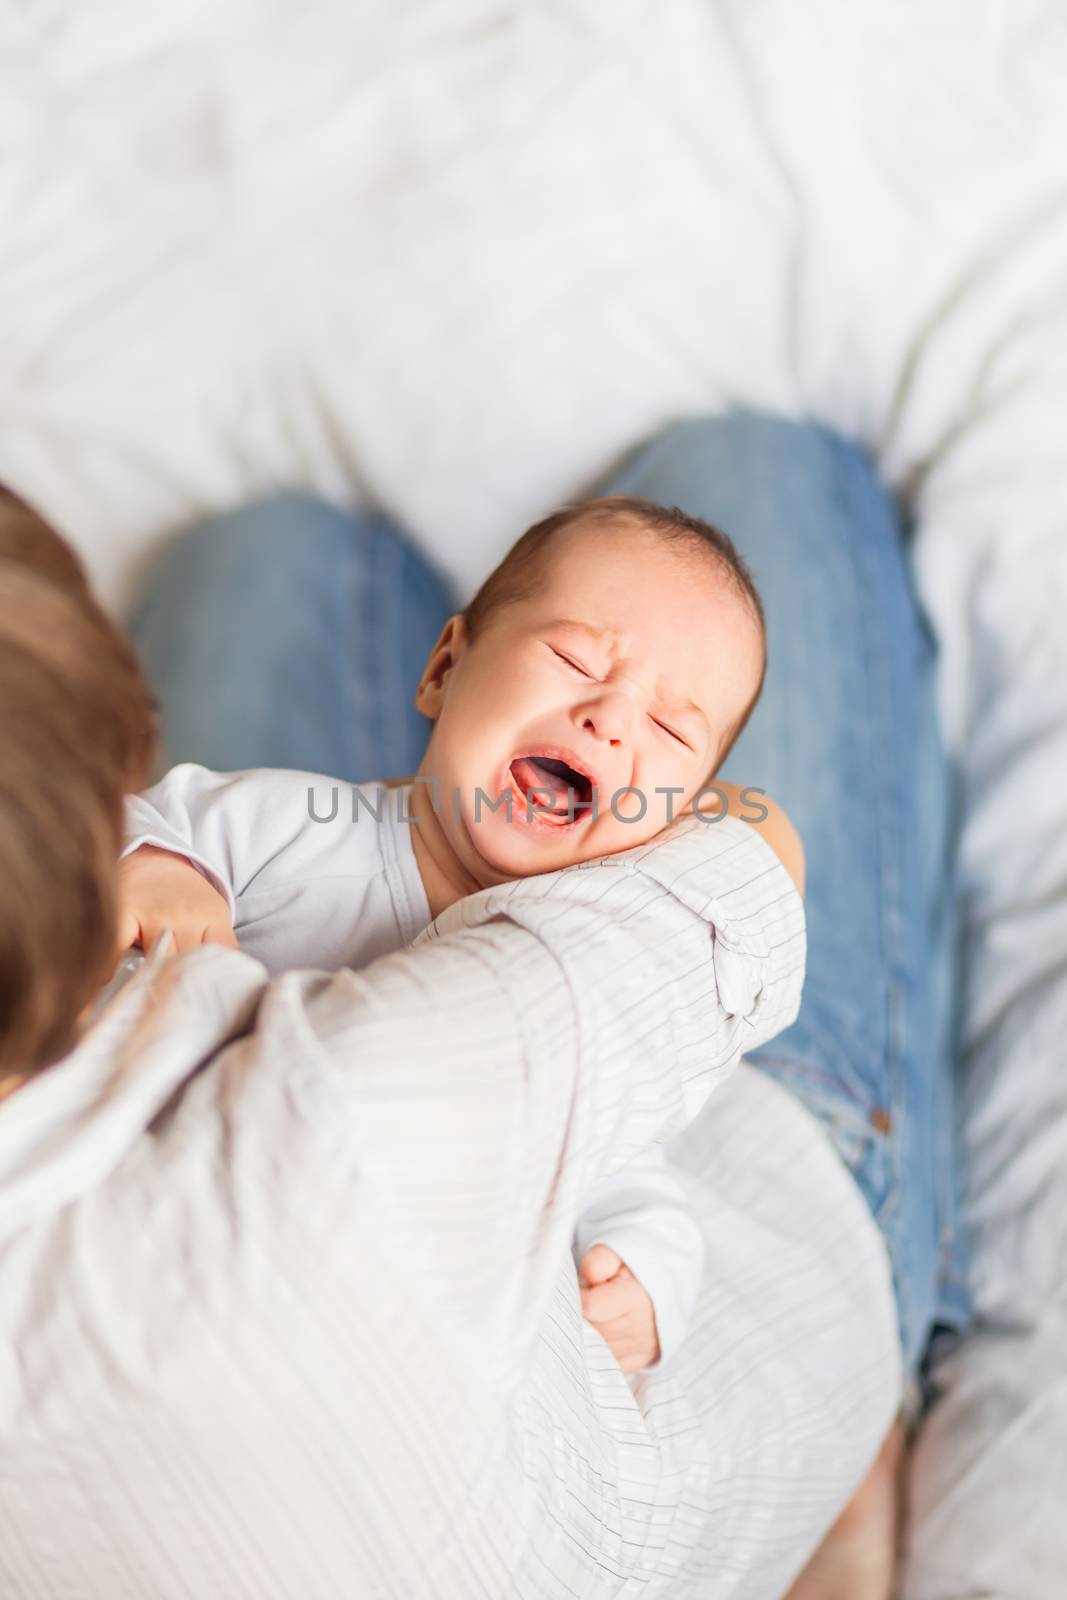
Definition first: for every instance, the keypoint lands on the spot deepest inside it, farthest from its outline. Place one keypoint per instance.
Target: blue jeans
(293, 634)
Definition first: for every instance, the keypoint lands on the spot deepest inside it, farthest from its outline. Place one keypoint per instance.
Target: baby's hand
(617, 1306)
(160, 890)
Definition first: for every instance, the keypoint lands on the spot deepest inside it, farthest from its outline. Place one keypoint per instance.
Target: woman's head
(77, 730)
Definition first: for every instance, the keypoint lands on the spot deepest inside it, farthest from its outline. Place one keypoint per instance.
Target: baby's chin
(512, 850)
(501, 850)
(522, 850)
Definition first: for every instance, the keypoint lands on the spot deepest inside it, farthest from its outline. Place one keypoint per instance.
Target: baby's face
(624, 668)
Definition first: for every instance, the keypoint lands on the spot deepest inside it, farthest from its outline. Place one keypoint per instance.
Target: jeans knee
(769, 478)
(289, 538)
(765, 433)
(768, 452)
(289, 528)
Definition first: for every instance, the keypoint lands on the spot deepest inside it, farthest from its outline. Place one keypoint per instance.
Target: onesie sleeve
(196, 814)
(243, 830)
(641, 1212)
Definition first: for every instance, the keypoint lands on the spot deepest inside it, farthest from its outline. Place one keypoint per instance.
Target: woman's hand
(158, 890)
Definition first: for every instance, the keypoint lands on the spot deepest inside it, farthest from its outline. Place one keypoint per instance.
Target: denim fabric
(292, 634)
(846, 738)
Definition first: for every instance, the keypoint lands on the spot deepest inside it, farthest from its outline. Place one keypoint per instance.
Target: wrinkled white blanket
(451, 258)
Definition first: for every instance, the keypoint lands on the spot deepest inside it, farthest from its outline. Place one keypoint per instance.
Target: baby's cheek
(638, 811)
(461, 771)
(642, 832)
(611, 834)
(645, 813)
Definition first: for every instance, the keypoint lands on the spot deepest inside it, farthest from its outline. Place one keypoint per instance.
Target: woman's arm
(472, 1087)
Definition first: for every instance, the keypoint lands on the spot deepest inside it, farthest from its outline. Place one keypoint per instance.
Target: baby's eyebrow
(686, 705)
(683, 708)
(600, 635)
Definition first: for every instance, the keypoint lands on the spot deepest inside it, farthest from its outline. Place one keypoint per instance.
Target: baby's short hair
(514, 577)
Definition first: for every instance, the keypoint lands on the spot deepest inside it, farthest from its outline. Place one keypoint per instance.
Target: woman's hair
(77, 731)
(520, 569)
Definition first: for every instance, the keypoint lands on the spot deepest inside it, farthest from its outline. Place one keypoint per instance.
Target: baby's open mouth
(552, 788)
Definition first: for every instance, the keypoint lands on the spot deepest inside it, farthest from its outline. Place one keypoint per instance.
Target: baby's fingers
(607, 1302)
(599, 1263)
(633, 1355)
(128, 932)
(220, 933)
(190, 933)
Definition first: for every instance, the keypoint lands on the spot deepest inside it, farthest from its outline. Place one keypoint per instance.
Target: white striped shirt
(322, 874)
(288, 1307)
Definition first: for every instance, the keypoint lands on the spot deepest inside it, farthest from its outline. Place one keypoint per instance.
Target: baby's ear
(433, 685)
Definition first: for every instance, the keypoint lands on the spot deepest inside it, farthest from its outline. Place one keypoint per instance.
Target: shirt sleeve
(641, 1212)
(538, 1036)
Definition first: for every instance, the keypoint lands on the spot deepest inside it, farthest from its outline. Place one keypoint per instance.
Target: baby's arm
(178, 866)
(200, 819)
(225, 834)
(641, 1215)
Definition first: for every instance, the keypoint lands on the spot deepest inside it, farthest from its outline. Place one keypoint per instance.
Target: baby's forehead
(584, 585)
(572, 563)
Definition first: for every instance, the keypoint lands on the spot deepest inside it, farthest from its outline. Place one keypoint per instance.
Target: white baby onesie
(322, 874)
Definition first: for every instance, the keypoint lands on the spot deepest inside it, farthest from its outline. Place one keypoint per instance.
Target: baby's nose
(606, 718)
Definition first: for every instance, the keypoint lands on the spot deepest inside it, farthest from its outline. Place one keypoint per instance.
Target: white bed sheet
(452, 258)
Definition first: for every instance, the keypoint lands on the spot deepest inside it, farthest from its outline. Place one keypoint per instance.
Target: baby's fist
(160, 890)
(616, 1305)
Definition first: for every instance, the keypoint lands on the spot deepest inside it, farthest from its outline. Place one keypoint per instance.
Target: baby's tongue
(529, 773)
